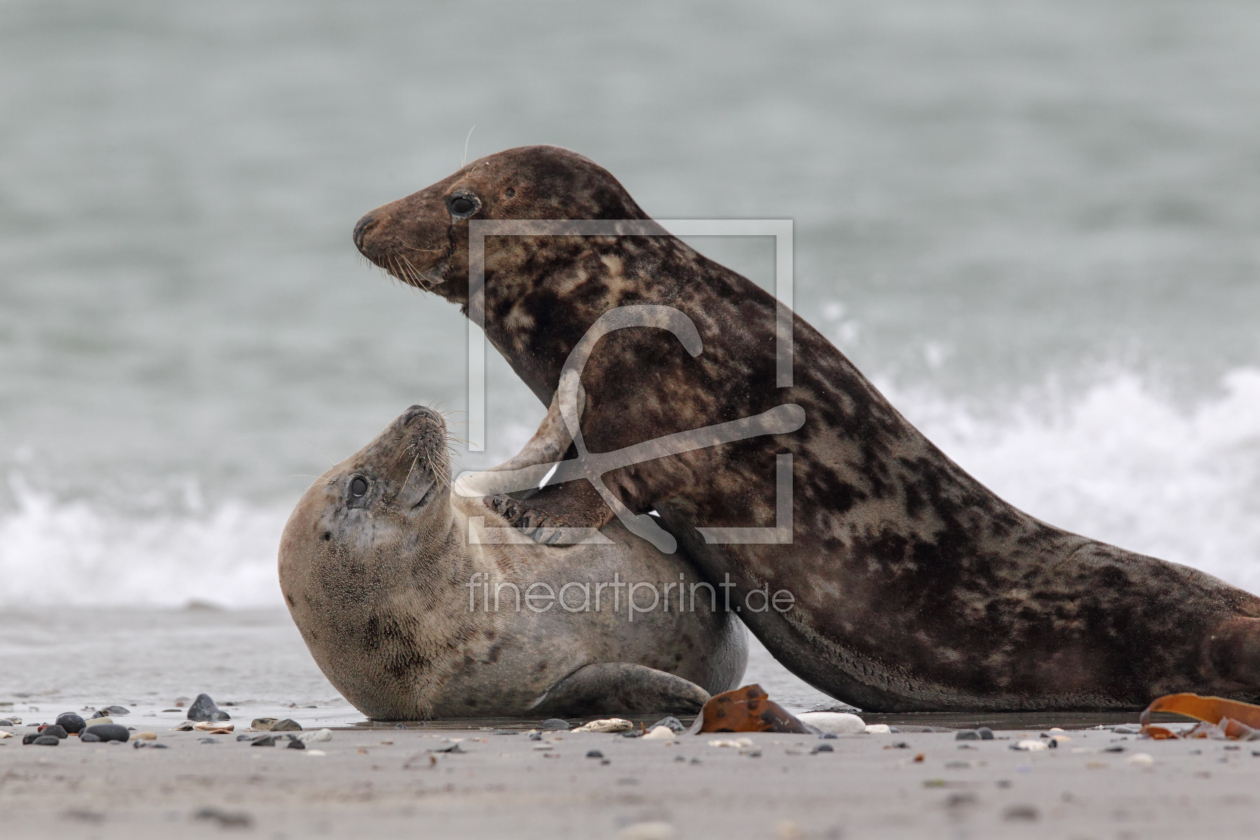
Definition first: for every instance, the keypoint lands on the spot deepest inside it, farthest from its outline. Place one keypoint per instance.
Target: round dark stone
(116, 711)
(29, 738)
(71, 722)
(295, 744)
(966, 735)
(53, 730)
(986, 734)
(244, 737)
(203, 708)
(47, 741)
(554, 724)
(824, 748)
(89, 738)
(396, 726)
(670, 723)
(109, 732)
(594, 754)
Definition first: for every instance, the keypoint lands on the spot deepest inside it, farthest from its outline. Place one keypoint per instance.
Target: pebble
(135, 745)
(29, 738)
(1141, 760)
(608, 725)
(288, 725)
(71, 722)
(838, 723)
(1128, 729)
(46, 741)
(183, 726)
(1020, 812)
(1028, 745)
(966, 735)
(311, 737)
(659, 733)
(553, 724)
(262, 724)
(739, 743)
(214, 728)
(986, 734)
(264, 741)
(877, 729)
(144, 736)
(208, 740)
(203, 708)
(10, 721)
(594, 754)
(674, 724)
(89, 738)
(398, 726)
(93, 721)
(822, 748)
(53, 730)
(4, 735)
(108, 731)
(116, 711)
(316, 752)
(648, 831)
(244, 737)
(296, 744)
(535, 736)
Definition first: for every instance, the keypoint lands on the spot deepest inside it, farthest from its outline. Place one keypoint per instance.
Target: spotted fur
(916, 587)
(378, 587)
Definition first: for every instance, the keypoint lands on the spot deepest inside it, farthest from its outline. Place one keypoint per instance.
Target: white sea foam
(1119, 462)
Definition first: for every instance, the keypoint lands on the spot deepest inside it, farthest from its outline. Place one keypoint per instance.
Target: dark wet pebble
(244, 737)
(109, 732)
(829, 736)
(396, 726)
(822, 748)
(208, 740)
(671, 723)
(6, 722)
(594, 754)
(295, 744)
(264, 741)
(985, 733)
(288, 725)
(151, 745)
(46, 741)
(71, 722)
(605, 761)
(29, 738)
(901, 745)
(203, 708)
(89, 738)
(535, 736)
(164, 711)
(680, 759)
(633, 733)
(53, 730)
(1114, 748)
(694, 761)
(554, 724)
(116, 711)
(966, 735)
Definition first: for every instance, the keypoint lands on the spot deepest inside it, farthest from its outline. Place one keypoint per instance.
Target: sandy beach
(396, 783)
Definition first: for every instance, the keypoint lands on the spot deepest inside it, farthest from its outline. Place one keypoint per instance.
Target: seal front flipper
(572, 505)
(620, 688)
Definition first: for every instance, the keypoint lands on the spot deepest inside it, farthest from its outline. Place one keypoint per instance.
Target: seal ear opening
(1235, 651)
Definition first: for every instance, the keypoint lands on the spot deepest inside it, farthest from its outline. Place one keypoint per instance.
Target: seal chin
(423, 432)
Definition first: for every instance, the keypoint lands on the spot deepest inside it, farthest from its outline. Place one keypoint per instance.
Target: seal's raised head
(386, 506)
(423, 239)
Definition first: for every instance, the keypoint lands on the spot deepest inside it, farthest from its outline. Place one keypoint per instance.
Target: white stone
(738, 743)
(836, 723)
(1029, 745)
(659, 733)
(878, 729)
(315, 735)
(606, 725)
(1141, 760)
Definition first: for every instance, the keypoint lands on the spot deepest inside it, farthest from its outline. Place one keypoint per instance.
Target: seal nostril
(410, 415)
(360, 230)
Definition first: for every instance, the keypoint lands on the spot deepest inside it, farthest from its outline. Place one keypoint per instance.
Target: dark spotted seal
(916, 588)
(408, 621)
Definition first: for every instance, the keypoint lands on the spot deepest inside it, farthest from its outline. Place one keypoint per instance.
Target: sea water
(1033, 224)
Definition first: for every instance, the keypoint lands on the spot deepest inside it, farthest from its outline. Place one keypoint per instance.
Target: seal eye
(461, 206)
(358, 487)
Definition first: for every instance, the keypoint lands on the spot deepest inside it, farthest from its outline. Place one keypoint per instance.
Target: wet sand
(393, 783)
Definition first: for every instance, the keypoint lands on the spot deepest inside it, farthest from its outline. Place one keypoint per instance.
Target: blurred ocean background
(1034, 223)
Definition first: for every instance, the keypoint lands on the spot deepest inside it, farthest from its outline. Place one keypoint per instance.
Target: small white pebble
(316, 752)
(1029, 745)
(659, 733)
(836, 723)
(738, 743)
(1141, 760)
(878, 729)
